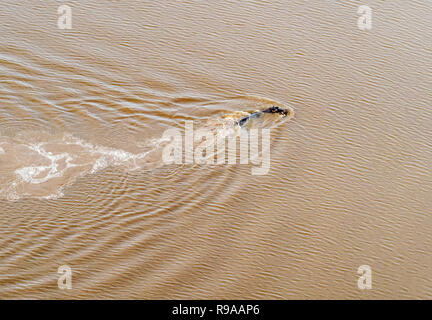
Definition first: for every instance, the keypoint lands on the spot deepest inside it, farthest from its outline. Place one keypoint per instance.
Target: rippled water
(82, 116)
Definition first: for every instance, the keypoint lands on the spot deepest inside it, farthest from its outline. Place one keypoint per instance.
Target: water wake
(43, 167)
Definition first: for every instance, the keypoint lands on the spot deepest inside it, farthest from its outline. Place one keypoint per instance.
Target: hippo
(257, 114)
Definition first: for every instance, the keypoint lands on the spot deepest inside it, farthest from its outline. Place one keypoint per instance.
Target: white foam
(47, 165)
(29, 174)
(55, 195)
(100, 164)
(105, 156)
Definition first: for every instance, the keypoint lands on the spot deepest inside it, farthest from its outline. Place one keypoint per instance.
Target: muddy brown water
(350, 176)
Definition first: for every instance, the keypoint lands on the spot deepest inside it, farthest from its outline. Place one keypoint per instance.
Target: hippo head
(279, 110)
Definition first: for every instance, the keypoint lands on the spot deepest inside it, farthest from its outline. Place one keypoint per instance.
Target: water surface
(350, 177)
